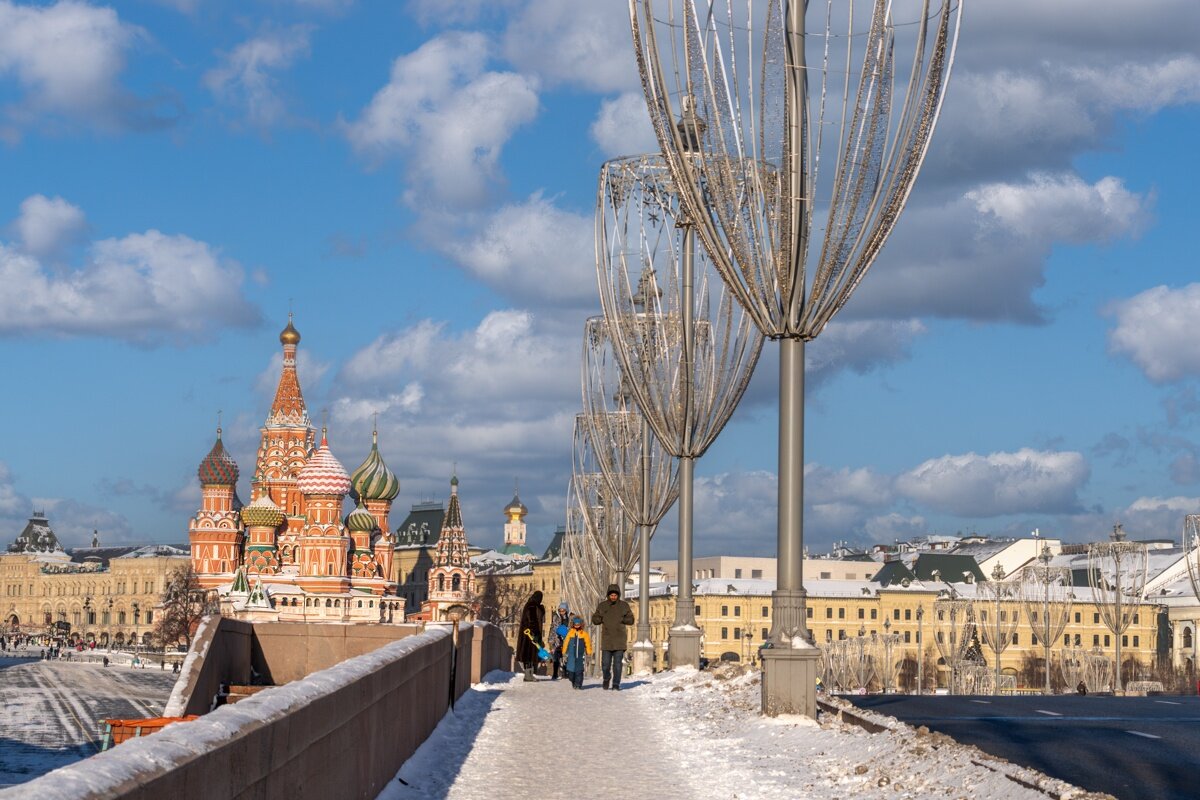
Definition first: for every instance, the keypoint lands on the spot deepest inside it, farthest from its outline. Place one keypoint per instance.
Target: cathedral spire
(288, 407)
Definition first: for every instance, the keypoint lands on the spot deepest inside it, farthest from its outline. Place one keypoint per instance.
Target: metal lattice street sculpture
(794, 172)
(1191, 550)
(997, 615)
(686, 348)
(885, 656)
(634, 463)
(1047, 596)
(612, 532)
(954, 629)
(1117, 574)
(1091, 667)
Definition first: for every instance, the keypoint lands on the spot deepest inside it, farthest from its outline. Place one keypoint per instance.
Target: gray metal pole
(788, 600)
(685, 635)
(643, 620)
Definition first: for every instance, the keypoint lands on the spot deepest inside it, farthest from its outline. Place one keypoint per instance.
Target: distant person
(560, 624)
(529, 638)
(577, 646)
(106, 661)
(1081, 688)
(612, 615)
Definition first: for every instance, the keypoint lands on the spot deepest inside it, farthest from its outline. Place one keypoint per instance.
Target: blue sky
(417, 179)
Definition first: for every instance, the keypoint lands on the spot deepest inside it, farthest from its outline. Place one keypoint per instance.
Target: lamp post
(920, 651)
(108, 625)
(137, 610)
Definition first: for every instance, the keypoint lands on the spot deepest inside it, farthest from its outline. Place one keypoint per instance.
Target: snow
(53, 711)
(138, 759)
(688, 734)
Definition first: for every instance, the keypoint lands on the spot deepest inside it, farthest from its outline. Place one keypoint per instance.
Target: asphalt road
(1135, 748)
(51, 712)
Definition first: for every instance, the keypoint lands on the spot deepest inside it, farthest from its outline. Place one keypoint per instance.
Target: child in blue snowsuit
(576, 647)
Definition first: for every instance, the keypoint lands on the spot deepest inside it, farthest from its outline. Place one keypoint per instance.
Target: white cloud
(1063, 208)
(530, 250)
(982, 255)
(309, 371)
(66, 57)
(1156, 330)
(140, 288)
(889, 527)
(457, 12)
(622, 126)
(245, 77)
(860, 346)
(47, 225)
(997, 484)
(12, 504)
(448, 116)
(586, 45)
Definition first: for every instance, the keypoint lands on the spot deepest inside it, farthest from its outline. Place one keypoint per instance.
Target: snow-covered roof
(156, 551)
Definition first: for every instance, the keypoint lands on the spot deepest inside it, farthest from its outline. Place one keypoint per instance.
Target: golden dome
(289, 335)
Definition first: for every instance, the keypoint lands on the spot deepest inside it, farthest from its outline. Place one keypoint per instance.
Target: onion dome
(218, 467)
(289, 335)
(373, 480)
(323, 474)
(262, 513)
(361, 520)
(516, 507)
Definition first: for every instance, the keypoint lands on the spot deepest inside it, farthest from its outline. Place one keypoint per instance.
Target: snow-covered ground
(51, 712)
(688, 734)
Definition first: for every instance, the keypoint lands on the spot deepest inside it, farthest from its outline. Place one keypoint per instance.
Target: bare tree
(184, 602)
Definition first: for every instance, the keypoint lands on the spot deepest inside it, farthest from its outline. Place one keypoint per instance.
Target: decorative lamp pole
(1046, 594)
(685, 345)
(1117, 574)
(920, 651)
(137, 610)
(1000, 600)
(791, 242)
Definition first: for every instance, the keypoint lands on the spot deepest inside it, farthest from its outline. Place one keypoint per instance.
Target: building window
(149, 617)
(828, 635)
(1096, 640)
(756, 573)
(1077, 616)
(1095, 619)
(1135, 618)
(826, 576)
(1135, 641)
(737, 573)
(724, 633)
(896, 613)
(120, 617)
(1077, 640)
(737, 611)
(724, 611)
(766, 612)
(842, 613)
(907, 637)
(765, 634)
(862, 613)
(737, 633)
(841, 634)
(807, 612)
(1106, 640)
(697, 610)
(1125, 641)
(908, 613)
(874, 613)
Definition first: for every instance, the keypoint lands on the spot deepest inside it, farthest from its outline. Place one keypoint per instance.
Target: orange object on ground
(118, 730)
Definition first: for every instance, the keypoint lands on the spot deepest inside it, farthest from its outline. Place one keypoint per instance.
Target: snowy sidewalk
(544, 740)
(687, 735)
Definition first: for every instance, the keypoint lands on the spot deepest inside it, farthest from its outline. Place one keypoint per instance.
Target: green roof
(950, 567)
(893, 572)
(422, 526)
(516, 550)
(554, 549)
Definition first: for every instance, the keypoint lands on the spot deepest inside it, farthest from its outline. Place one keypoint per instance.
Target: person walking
(529, 636)
(577, 646)
(613, 614)
(560, 623)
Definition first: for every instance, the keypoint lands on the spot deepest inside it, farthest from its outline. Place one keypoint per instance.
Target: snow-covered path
(688, 735)
(509, 738)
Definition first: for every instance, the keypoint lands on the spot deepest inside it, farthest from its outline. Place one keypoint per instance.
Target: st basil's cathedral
(288, 554)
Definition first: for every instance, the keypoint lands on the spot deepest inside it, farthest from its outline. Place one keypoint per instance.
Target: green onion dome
(218, 467)
(262, 513)
(361, 520)
(373, 480)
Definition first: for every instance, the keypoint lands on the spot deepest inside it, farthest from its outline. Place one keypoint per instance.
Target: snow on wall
(139, 760)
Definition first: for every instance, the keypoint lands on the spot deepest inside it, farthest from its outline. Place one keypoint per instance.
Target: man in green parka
(612, 615)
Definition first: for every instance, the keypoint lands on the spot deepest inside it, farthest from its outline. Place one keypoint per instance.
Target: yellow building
(107, 595)
(735, 617)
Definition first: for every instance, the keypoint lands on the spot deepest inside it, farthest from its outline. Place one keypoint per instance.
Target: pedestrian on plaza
(529, 636)
(577, 646)
(613, 614)
(560, 623)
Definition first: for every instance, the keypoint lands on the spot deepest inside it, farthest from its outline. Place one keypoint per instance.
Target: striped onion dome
(373, 480)
(323, 474)
(218, 467)
(262, 513)
(360, 519)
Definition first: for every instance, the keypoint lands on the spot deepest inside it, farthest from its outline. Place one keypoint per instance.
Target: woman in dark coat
(533, 619)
